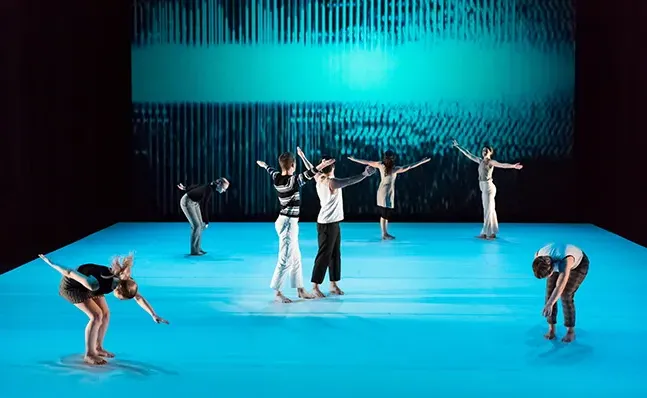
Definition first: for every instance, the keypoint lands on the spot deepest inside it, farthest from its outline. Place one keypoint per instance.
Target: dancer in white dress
(386, 191)
(488, 189)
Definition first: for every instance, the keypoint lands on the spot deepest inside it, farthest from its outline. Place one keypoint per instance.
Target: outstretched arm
(89, 282)
(365, 162)
(305, 160)
(270, 170)
(467, 153)
(339, 183)
(559, 286)
(404, 169)
(146, 306)
(517, 166)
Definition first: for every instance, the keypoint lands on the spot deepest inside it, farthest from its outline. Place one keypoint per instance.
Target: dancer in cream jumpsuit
(488, 189)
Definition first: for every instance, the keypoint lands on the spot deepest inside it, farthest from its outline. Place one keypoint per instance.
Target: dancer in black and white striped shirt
(287, 186)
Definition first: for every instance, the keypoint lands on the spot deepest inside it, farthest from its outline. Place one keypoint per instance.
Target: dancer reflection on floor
(85, 287)
(488, 189)
(386, 191)
(566, 267)
(329, 189)
(194, 204)
(287, 186)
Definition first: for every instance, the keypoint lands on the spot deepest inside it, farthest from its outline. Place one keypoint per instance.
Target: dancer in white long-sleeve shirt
(287, 224)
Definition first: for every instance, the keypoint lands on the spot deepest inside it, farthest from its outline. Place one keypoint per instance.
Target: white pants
(490, 220)
(289, 261)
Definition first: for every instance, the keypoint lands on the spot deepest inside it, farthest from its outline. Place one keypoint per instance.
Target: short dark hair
(489, 147)
(542, 266)
(127, 288)
(286, 161)
(327, 169)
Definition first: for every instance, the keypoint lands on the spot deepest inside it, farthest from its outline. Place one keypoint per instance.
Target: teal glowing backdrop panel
(218, 84)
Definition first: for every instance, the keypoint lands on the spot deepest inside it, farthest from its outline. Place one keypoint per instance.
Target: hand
(517, 166)
(42, 257)
(159, 320)
(206, 226)
(455, 143)
(369, 171)
(548, 310)
(300, 152)
(261, 163)
(425, 160)
(325, 163)
(181, 187)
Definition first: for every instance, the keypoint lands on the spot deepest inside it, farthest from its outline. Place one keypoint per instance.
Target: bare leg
(105, 321)
(335, 290)
(550, 334)
(93, 311)
(303, 293)
(384, 226)
(570, 335)
(281, 298)
(316, 291)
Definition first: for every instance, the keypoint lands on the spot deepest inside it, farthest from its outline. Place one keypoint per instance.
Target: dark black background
(66, 143)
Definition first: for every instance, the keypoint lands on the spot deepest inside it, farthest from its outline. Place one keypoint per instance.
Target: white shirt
(558, 253)
(332, 203)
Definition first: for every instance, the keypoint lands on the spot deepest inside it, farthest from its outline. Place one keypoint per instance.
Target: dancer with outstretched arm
(194, 206)
(287, 186)
(386, 191)
(86, 286)
(329, 189)
(488, 189)
(564, 267)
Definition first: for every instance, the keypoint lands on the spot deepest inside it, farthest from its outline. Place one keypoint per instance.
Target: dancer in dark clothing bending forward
(194, 205)
(86, 286)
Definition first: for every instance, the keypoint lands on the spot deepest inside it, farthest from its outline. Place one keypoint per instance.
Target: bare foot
(550, 335)
(318, 293)
(388, 237)
(570, 336)
(482, 236)
(491, 237)
(103, 353)
(305, 295)
(282, 299)
(336, 291)
(94, 360)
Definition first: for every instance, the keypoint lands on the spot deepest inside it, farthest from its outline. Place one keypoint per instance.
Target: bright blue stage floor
(435, 313)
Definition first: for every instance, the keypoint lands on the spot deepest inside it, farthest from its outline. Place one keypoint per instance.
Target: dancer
(566, 267)
(287, 224)
(329, 190)
(194, 205)
(86, 286)
(386, 191)
(488, 189)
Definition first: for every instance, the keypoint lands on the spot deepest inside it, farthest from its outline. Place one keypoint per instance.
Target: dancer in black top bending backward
(329, 189)
(194, 205)
(386, 191)
(488, 189)
(287, 186)
(86, 286)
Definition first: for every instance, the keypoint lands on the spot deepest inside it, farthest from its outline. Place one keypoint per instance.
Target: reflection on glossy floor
(435, 313)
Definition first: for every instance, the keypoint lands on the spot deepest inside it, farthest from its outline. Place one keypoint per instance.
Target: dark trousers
(329, 254)
(568, 295)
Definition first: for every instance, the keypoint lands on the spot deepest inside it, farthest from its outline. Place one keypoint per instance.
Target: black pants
(568, 295)
(329, 254)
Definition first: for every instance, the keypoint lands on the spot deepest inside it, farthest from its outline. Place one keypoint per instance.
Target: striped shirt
(287, 188)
